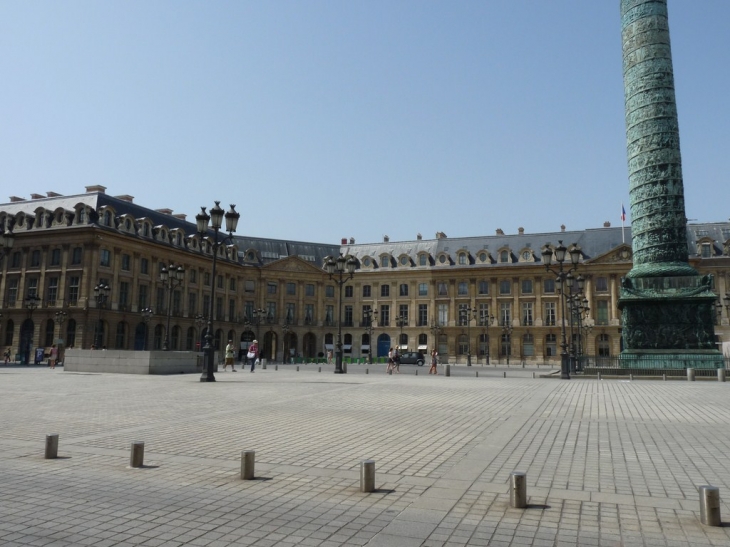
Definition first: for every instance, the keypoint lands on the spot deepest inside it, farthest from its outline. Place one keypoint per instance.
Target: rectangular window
(249, 285)
(52, 290)
(206, 279)
(349, 291)
(366, 291)
(423, 315)
(12, 291)
(423, 259)
(206, 305)
(56, 257)
(271, 288)
(527, 286)
(126, 261)
(73, 289)
(329, 291)
(291, 313)
(219, 282)
(443, 314)
(483, 287)
(527, 318)
(232, 284)
(602, 312)
(329, 315)
(35, 259)
(193, 277)
(706, 250)
(551, 345)
(463, 288)
(549, 313)
(441, 289)
(549, 286)
(76, 255)
(105, 258)
(463, 315)
(248, 309)
(309, 289)
(192, 303)
(142, 301)
(15, 260)
(219, 308)
(601, 284)
(384, 315)
(144, 266)
(160, 306)
(505, 286)
(384, 290)
(384, 261)
(123, 293)
(291, 289)
(231, 309)
(505, 314)
(31, 286)
(403, 289)
(483, 318)
(347, 321)
(403, 312)
(423, 289)
(308, 314)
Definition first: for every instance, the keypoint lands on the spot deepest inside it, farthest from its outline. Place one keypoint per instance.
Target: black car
(412, 358)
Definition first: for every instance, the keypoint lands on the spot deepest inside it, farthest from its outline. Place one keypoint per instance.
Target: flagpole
(623, 219)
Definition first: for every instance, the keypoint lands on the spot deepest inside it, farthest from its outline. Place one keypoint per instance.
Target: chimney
(126, 197)
(352, 241)
(164, 211)
(607, 224)
(15, 199)
(386, 239)
(96, 188)
(419, 237)
(37, 196)
(180, 216)
(521, 230)
(343, 241)
(53, 195)
(440, 235)
(500, 232)
(562, 227)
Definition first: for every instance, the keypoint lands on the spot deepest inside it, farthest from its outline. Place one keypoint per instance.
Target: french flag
(623, 213)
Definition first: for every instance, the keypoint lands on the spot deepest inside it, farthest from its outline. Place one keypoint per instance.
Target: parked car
(412, 358)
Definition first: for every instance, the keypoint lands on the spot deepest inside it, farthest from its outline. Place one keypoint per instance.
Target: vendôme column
(667, 307)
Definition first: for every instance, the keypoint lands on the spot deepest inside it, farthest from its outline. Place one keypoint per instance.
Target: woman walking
(434, 362)
(253, 354)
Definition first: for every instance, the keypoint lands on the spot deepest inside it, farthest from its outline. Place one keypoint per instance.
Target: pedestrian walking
(434, 362)
(396, 361)
(253, 354)
(329, 356)
(230, 354)
(391, 363)
(53, 358)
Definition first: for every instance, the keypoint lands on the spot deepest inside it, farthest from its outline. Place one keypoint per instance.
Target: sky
(324, 120)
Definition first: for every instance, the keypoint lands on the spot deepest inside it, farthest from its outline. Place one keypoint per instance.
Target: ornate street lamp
(370, 316)
(575, 302)
(401, 321)
(486, 321)
(60, 319)
(284, 330)
(507, 335)
(171, 278)
(216, 220)
(436, 330)
(7, 239)
(101, 295)
(147, 314)
(344, 268)
(563, 277)
(467, 314)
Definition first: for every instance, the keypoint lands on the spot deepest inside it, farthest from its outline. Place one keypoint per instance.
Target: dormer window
(706, 250)
(504, 256)
(463, 259)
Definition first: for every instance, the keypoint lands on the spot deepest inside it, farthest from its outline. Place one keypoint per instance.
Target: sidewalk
(608, 462)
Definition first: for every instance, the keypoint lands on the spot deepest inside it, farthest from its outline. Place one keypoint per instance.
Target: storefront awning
(422, 348)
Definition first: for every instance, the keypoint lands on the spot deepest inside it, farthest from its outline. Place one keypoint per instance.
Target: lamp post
(284, 330)
(563, 276)
(216, 220)
(575, 310)
(60, 319)
(486, 321)
(436, 330)
(101, 294)
(147, 314)
(344, 269)
(468, 314)
(7, 239)
(171, 278)
(507, 332)
(370, 316)
(401, 321)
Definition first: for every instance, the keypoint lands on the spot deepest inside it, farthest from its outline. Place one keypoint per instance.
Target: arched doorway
(268, 350)
(26, 341)
(290, 346)
(309, 346)
(383, 345)
(140, 337)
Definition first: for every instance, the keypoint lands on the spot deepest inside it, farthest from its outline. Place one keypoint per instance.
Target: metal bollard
(477, 372)
(367, 476)
(367, 371)
(504, 374)
(709, 505)
(447, 370)
(320, 369)
(533, 374)
(664, 377)
(248, 460)
(598, 375)
(263, 366)
(51, 446)
(721, 375)
(344, 367)
(631, 377)
(297, 368)
(518, 489)
(276, 367)
(690, 375)
(416, 372)
(136, 457)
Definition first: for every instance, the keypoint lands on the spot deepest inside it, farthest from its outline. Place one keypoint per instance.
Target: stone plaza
(610, 462)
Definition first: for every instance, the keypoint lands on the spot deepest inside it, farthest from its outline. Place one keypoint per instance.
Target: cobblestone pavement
(608, 462)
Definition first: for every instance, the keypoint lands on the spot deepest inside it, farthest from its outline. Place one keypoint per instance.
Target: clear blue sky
(331, 119)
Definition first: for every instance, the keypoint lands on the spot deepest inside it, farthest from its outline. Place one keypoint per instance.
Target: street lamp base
(206, 378)
(339, 371)
(564, 366)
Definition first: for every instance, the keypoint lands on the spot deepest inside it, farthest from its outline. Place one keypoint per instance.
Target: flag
(623, 213)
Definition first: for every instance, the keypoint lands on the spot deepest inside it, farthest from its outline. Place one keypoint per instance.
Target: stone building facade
(442, 291)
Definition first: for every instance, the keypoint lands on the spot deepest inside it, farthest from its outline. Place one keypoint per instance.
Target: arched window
(443, 344)
(504, 256)
(329, 338)
(9, 330)
(120, 340)
(506, 344)
(365, 340)
(190, 339)
(175, 338)
(157, 339)
(463, 344)
(107, 218)
(70, 333)
(50, 328)
(483, 344)
(551, 345)
(218, 337)
(462, 259)
(604, 345)
(348, 339)
(528, 345)
(423, 339)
